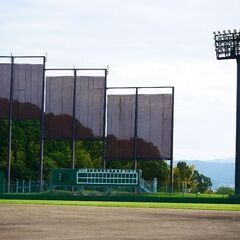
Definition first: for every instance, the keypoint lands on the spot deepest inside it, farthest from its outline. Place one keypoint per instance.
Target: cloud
(145, 43)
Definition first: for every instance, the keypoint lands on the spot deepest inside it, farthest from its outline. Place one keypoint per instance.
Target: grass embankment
(196, 206)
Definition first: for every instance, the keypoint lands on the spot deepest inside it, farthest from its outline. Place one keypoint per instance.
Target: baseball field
(45, 219)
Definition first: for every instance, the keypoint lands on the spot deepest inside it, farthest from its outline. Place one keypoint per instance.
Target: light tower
(227, 46)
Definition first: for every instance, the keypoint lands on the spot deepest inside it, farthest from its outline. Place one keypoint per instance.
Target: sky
(145, 43)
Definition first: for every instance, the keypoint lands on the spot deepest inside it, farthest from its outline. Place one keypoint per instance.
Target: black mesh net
(59, 107)
(5, 79)
(90, 93)
(154, 128)
(120, 127)
(27, 91)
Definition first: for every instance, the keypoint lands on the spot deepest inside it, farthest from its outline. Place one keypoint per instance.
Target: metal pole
(163, 87)
(16, 185)
(23, 185)
(29, 185)
(104, 122)
(42, 126)
(171, 175)
(78, 69)
(74, 119)
(171, 161)
(237, 157)
(10, 126)
(135, 130)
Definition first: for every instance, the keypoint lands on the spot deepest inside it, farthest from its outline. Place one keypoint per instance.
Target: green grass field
(196, 206)
(188, 195)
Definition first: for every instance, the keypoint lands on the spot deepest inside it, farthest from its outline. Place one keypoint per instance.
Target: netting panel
(120, 126)
(154, 126)
(5, 80)
(27, 91)
(59, 107)
(90, 93)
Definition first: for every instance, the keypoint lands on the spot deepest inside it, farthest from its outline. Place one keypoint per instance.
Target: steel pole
(237, 157)
(171, 175)
(135, 130)
(172, 135)
(104, 122)
(42, 126)
(74, 120)
(10, 126)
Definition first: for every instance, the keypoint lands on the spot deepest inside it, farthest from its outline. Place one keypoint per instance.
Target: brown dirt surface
(73, 222)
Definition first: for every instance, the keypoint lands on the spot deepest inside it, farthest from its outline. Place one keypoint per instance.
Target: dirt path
(72, 222)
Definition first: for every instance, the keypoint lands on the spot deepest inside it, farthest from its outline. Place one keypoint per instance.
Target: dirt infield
(72, 222)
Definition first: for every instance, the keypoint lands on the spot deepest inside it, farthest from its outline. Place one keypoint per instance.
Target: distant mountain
(221, 171)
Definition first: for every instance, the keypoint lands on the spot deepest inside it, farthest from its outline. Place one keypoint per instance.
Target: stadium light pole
(227, 46)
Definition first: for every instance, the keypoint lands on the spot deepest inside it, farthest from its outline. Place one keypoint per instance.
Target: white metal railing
(145, 186)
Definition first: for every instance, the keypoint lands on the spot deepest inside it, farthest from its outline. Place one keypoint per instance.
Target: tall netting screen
(154, 126)
(120, 127)
(59, 107)
(90, 93)
(5, 80)
(27, 91)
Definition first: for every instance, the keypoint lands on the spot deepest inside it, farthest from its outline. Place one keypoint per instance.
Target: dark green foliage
(152, 169)
(119, 198)
(183, 176)
(3, 144)
(120, 164)
(201, 182)
(25, 148)
(57, 154)
(186, 179)
(1, 182)
(185, 171)
(225, 190)
(94, 150)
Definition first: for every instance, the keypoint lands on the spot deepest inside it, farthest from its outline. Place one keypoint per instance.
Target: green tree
(57, 154)
(151, 169)
(201, 182)
(225, 190)
(183, 174)
(82, 157)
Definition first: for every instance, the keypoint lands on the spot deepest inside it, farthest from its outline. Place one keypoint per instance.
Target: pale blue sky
(154, 42)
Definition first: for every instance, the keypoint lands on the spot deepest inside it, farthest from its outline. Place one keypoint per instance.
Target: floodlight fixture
(227, 46)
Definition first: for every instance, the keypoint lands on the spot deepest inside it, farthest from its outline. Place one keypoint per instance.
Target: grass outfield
(196, 206)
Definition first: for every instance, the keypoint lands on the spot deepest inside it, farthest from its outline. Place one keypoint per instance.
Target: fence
(150, 187)
(26, 186)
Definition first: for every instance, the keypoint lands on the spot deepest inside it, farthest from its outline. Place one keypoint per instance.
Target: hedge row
(124, 198)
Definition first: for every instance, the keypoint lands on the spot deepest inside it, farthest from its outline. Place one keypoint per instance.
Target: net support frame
(10, 117)
(135, 159)
(73, 137)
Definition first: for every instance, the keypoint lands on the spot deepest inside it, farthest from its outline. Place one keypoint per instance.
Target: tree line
(57, 154)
